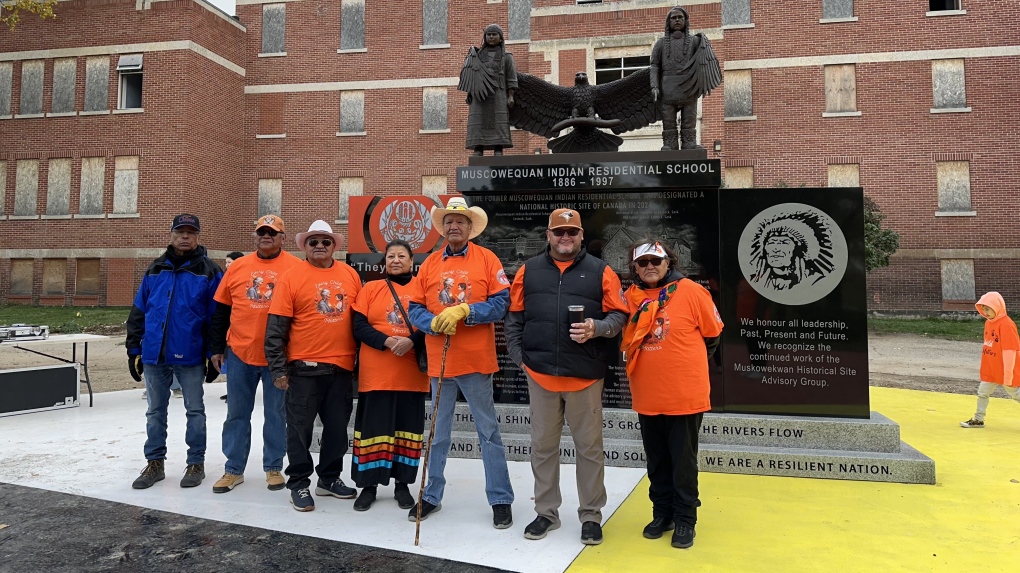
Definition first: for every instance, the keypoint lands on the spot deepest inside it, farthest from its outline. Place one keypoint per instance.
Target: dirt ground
(896, 360)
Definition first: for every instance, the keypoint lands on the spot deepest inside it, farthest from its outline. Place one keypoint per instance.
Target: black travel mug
(575, 313)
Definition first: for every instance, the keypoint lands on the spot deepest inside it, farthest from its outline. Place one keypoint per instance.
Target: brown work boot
(228, 482)
(274, 480)
(152, 473)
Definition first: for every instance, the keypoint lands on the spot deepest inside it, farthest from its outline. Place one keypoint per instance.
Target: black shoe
(223, 397)
(539, 528)
(152, 473)
(683, 537)
(426, 510)
(302, 500)
(403, 496)
(502, 516)
(193, 475)
(336, 489)
(657, 527)
(366, 498)
(591, 533)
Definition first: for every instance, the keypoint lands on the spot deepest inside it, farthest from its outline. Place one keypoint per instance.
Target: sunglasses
(569, 232)
(654, 261)
(264, 231)
(316, 242)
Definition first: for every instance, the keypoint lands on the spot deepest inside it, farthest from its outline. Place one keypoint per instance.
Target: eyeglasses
(266, 231)
(569, 232)
(315, 242)
(654, 261)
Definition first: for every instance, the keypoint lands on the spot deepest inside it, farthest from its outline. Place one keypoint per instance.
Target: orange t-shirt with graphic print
(612, 299)
(1000, 335)
(319, 302)
(381, 369)
(671, 373)
(470, 278)
(248, 288)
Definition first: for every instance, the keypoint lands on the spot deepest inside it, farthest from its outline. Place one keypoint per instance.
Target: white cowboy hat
(319, 227)
(458, 206)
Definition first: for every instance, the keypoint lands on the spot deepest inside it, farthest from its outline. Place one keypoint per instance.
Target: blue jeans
(158, 379)
(241, 386)
(477, 389)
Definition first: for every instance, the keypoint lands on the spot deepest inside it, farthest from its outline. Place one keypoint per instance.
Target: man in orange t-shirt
(476, 276)
(237, 338)
(310, 349)
(564, 361)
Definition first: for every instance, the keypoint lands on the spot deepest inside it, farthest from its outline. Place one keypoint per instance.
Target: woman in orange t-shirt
(390, 419)
(672, 331)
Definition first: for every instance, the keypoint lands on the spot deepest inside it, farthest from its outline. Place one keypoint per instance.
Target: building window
(58, 187)
(433, 186)
(949, 85)
(737, 96)
(270, 108)
(833, 9)
(954, 186)
(352, 112)
(22, 271)
(611, 69)
(6, 80)
(129, 67)
(26, 188)
(845, 175)
(97, 83)
(3, 186)
(125, 184)
(943, 5)
(739, 177)
(840, 88)
(349, 187)
(64, 74)
(518, 19)
(352, 24)
(433, 109)
(270, 197)
(274, 25)
(958, 281)
(589, 1)
(54, 276)
(736, 12)
(434, 22)
(31, 87)
(86, 277)
(93, 175)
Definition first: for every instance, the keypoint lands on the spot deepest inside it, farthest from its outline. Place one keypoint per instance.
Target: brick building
(120, 114)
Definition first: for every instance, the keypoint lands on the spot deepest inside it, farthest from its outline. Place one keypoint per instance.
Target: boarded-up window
(949, 86)
(270, 196)
(6, 79)
(97, 83)
(958, 280)
(58, 187)
(125, 184)
(848, 175)
(31, 87)
(740, 177)
(433, 22)
(21, 276)
(840, 88)
(93, 174)
(736, 12)
(737, 93)
(64, 73)
(433, 108)
(274, 25)
(349, 187)
(54, 276)
(837, 9)
(86, 279)
(433, 186)
(26, 188)
(518, 19)
(954, 185)
(3, 185)
(352, 24)
(352, 112)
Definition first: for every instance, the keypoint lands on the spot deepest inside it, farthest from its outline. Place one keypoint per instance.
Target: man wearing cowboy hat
(471, 359)
(237, 338)
(311, 357)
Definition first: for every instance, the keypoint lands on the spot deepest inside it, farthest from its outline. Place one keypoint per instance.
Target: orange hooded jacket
(998, 358)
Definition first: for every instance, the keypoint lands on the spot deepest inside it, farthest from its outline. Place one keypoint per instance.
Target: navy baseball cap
(185, 220)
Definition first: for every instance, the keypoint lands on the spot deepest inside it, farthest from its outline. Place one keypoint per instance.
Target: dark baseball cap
(185, 220)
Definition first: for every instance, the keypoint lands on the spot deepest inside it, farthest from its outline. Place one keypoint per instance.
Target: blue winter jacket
(169, 322)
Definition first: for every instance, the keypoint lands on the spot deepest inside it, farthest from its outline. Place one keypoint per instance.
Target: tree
(879, 243)
(10, 12)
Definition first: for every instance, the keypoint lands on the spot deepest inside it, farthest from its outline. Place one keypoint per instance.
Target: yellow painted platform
(968, 522)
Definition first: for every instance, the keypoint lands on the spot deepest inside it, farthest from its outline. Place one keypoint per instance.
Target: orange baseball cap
(271, 221)
(565, 219)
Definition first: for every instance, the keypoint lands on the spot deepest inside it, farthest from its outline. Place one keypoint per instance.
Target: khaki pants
(985, 390)
(583, 411)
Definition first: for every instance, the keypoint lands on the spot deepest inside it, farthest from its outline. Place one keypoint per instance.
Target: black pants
(671, 454)
(331, 397)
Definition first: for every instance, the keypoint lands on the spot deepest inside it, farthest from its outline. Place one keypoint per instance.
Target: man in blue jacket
(167, 339)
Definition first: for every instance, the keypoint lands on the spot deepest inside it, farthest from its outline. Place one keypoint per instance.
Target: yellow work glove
(448, 319)
(435, 327)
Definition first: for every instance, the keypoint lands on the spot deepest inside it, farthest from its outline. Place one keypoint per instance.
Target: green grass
(930, 327)
(67, 319)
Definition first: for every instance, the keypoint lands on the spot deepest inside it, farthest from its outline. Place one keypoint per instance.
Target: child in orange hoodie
(999, 364)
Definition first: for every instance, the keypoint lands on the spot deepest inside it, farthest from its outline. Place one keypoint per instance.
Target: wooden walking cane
(432, 430)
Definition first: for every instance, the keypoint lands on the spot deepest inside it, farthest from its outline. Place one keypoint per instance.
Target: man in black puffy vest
(565, 363)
